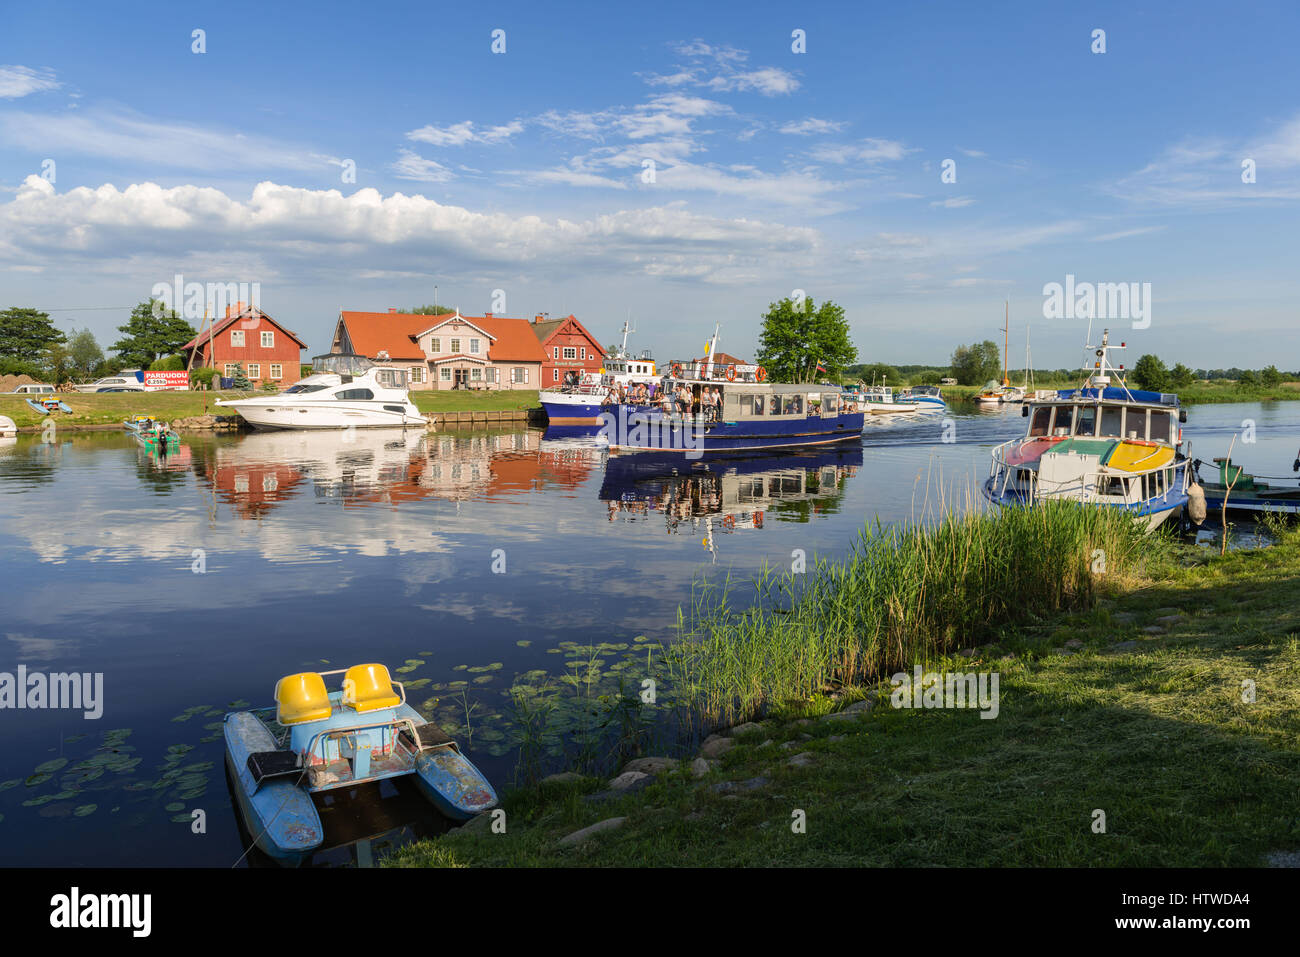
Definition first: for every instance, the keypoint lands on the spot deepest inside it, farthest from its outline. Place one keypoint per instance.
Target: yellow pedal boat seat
(369, 688)
(300, 698)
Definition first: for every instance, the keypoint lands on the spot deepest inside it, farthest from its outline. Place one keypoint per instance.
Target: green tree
(1150, 373)
(977, 363)
(149, 336)
(84, 353)
(1249, 377)
(239, 380)
(429, 310)
(26, 335)
(57, 364)
(878, 372)
(1271, 377)
(1180, 377)
(798, 336)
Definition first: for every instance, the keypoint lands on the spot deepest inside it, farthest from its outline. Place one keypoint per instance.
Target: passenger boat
(343, 391)
(581, 403)
(926, 398)
(1245, 492)
(313, 740)
(752, 413)
(46, 406)
(1100, 444)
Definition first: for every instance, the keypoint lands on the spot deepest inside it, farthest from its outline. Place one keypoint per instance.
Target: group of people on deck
(679, 401)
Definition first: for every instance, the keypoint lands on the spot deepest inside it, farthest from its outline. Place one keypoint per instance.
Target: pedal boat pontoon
(315, 740)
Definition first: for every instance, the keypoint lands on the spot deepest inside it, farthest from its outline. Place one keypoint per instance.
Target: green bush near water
(904, 595)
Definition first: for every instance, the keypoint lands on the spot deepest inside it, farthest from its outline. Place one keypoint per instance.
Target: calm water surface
(320, 553)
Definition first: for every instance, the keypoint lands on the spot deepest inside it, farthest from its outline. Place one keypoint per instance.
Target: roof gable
(220, 325)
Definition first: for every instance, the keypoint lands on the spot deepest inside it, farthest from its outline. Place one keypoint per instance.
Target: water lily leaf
(12, 783)
(51, 766)
(38, 778)
(175, 806)
(84, 810)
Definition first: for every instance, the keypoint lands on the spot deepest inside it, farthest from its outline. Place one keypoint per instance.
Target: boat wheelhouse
(1099, 444)
(343, 391)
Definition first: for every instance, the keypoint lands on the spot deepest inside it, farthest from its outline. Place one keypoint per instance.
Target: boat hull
(643, 429)
(272, 415)
(280, 815)
(578, 410)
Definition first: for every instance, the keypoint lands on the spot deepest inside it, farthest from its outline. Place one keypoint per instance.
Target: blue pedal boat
(46, 406)
(315, 740)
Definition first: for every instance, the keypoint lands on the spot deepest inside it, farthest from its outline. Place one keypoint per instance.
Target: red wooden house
(569, 347)
(248, 337)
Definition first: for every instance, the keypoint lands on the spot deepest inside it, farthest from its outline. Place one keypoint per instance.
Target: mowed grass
(1155, 734)
(1198, 393)
(110, 408)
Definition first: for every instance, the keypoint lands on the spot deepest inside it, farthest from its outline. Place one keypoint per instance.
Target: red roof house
(248, 337)
(568, 347)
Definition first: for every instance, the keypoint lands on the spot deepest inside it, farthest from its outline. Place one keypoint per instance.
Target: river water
(472, 561)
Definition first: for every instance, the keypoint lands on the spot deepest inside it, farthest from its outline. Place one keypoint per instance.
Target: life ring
(677, 370)
(731, 373)
(761, 374)
(758, 519)
(729, 521)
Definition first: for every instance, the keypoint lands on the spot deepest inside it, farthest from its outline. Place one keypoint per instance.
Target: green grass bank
(1126, 698)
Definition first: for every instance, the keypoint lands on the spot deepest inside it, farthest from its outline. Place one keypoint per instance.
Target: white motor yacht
(343, 391)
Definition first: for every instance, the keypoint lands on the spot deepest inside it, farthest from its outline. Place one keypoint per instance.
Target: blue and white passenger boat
(707, 407)
(926, 398)
(1100, 444)
(314, 740)
(581, 402)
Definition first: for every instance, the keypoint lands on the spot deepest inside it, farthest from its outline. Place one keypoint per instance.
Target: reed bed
(906, 594)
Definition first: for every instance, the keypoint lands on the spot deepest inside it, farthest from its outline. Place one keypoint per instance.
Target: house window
(255, 370)
(584, 353)
(570, 352)
(494, 375)
(455, 346)
(417, 374)
(229, 371)
(445, 373)
(519, 375)
(268, 340)
(473, 347)
(277, 371)
(555, 375)
(476, 374)
(557, 352)
(435, 345)
(237, 338)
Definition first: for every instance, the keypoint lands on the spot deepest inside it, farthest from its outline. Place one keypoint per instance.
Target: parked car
(34, 388)
(118, 383)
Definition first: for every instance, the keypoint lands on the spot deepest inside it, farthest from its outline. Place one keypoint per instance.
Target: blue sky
(523, 171)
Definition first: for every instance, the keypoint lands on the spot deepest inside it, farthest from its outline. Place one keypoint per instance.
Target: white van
(34, 388)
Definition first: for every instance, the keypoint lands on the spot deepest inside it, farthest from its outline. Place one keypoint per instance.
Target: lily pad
(38, 778)
(49, 767)
(84, 810)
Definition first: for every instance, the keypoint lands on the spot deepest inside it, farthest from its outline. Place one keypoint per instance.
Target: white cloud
(459, 134)
(811, 127)
(956, 202)
(1125, 234)
(17, 81)
(720, 68)
(411, 165)
(870, 150)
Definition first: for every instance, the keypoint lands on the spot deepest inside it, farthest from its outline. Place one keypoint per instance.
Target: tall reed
(906, 594)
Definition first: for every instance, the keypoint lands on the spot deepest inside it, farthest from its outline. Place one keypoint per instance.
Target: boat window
(793, 405)
(1085, 421)
(300, 388)
(1041, 420)
(1159, 427)
(1112, 420)
(830, 403)
(774, 405)
(352, 394)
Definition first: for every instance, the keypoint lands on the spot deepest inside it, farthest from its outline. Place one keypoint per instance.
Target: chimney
(392, 310)
(487, 315)
(537, 318)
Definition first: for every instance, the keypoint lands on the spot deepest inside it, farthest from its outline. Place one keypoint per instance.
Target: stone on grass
(1074, 643)
(564, 777)
(745, 728)
(577, 837)
(801, 760)
(1154, 630)
(629, 780)
(651, 765)
(699, 768)
(715, 746)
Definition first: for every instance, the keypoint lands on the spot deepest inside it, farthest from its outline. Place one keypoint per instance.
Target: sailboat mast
(1006, 342)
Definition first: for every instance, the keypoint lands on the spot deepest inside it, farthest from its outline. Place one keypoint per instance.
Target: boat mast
(713, 345)
(1006, 343)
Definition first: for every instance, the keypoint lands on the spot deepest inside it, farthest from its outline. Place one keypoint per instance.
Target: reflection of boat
(1245, 492)
(581, 402)
(1103, 445)
(314, 740)
(726, 492)
(343, 392)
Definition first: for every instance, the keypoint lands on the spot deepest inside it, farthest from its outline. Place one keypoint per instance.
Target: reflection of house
(567, 347)
(252, 488)
(248, 337)
(448, 351)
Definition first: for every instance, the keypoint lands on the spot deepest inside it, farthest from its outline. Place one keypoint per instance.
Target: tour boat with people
(314, 740)
(578, 401)
(706, 406)
(343, 391)
(1099, 444)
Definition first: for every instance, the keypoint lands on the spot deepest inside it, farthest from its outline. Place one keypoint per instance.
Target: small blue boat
(46, 406)
(315, 740)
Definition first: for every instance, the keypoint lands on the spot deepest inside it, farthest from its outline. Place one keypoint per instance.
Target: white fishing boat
(1104, 445)
(343, 391)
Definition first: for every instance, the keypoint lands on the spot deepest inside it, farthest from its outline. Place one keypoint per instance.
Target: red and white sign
(166, 380)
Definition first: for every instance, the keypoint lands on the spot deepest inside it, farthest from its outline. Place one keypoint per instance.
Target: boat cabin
(1107, 413)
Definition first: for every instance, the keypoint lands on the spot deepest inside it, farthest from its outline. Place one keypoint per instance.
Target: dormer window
(237, 338)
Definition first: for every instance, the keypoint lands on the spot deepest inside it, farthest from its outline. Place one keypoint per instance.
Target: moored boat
(48, 405)
(1100, 444)
(343, 392)
(1244, 492)
(314, 740)
(8, 429)
(581, 402)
